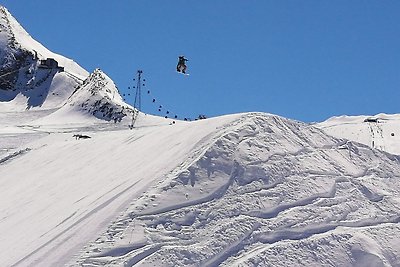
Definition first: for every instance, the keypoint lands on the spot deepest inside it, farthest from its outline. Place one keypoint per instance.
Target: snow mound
(264, 191)
(240, 190)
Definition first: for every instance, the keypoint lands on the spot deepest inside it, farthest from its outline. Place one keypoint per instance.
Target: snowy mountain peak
(15, 36)
(7, 36)
(31, 76)
(99, 83)
(99, 96)
(11, 27)
(12, 56)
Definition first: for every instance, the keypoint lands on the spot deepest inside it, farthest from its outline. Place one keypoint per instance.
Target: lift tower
(137, 104)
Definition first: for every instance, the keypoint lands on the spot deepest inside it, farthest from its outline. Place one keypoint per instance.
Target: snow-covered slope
(78, 188)
(97, 97)
(52, 94)
(263, 191)
(247, 189)
(381, 131)
(19, 38)
(68, 189)
(25, 81)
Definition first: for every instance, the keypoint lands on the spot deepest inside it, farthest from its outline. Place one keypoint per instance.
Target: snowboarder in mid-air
(181, 67)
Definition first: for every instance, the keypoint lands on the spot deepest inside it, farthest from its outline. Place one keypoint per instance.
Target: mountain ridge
(41, 79)
(97, 97)
(21, 39)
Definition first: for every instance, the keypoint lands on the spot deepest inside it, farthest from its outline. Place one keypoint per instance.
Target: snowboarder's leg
(184, 68)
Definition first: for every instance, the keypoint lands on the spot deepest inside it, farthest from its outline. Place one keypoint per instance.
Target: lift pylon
(137, 104)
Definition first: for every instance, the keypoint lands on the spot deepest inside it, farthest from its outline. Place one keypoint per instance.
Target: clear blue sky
(306, 60)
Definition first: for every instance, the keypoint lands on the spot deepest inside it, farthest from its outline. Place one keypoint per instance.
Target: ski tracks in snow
(377, 139)
(14, 155)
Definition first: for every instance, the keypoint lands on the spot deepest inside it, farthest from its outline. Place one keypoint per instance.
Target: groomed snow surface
(240, 190)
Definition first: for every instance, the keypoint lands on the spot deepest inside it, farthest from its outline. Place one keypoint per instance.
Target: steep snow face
(26, 82)
(262, 191)
(381, 131)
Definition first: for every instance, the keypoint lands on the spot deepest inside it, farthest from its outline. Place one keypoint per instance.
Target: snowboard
(186, 74)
